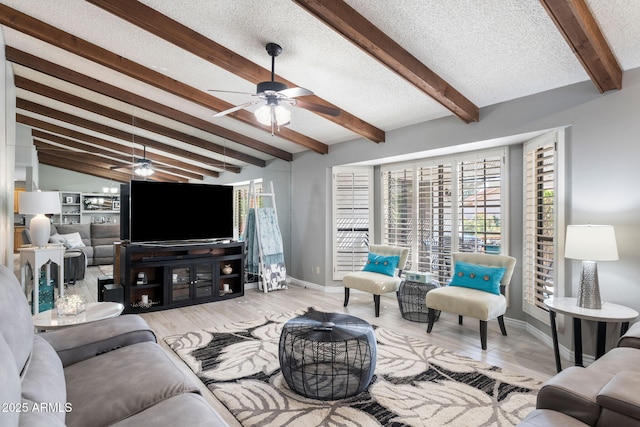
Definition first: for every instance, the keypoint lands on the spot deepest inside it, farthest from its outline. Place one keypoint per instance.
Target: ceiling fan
(273, 94)
(141, 167)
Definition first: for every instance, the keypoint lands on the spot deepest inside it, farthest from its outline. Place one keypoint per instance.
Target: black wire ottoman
(412, 298)
(327, 356)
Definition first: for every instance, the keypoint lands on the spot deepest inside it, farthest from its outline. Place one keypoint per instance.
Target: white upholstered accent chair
(376, 283)
(475, 303)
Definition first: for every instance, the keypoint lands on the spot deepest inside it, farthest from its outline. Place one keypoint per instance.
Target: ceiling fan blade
(295, 92)
(234, 109)
(317, 108)
(231, 91)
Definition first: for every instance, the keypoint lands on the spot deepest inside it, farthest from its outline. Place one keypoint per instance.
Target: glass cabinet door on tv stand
(191, 282)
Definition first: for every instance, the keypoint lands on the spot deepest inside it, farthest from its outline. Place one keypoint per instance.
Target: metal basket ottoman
(327, 356)
(412, 300)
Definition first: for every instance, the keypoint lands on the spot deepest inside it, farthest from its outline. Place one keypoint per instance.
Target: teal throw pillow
(382, 264)
(478, 277)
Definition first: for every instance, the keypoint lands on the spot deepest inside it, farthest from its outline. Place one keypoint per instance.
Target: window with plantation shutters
(353, 218)
(444, 205)
(542, 223)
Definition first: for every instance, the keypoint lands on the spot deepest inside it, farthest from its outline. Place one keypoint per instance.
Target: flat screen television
(164, 211)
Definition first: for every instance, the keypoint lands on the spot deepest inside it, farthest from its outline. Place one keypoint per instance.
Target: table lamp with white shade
(590, 243)
(39, 203)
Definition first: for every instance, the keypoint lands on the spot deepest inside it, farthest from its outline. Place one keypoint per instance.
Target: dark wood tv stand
(178, 274)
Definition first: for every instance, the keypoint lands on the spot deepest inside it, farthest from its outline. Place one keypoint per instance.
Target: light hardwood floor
(519, 352)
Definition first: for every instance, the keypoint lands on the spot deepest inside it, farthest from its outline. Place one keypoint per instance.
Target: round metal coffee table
(327, 356)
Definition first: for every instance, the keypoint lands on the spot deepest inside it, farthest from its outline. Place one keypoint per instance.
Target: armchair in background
(477, 289)
(379, 273)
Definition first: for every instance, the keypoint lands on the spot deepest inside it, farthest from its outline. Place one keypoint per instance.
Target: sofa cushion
(95, 386)
(104, 234)
(10, 389)
(622, 394)
(616, 360)
(631, 338)
(187, 409)
(83, 229)
(573, 392)
(43, 381)
(40, 418)
(71, 240)
(90, 339)
(16, 325)
(546, 418)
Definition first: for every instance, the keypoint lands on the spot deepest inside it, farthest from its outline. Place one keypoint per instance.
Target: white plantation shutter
(543, 225)
(445, 205)
(435, 219)
(353, 218)
(480, 204)
(400, 209)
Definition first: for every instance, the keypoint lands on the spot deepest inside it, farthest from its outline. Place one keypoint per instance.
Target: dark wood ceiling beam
(581, 31)
(123, 158)
(107, 148)
(117, 133)
(38, 64)
(182, 36)
(77, 156)
(357, 29)
(128, 119)
(69, 159)
(63, 40)
(60, 162)
(103, 147)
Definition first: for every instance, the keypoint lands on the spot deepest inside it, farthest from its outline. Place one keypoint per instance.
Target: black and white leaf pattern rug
(415, 383)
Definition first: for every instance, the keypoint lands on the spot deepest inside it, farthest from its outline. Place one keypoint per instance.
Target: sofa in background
(106, 373)
(607, 393)
(95, 241)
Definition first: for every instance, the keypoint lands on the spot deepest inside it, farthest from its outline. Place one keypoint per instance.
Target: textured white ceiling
(489, 50)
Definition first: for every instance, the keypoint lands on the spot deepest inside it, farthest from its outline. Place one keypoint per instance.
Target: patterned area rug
(415, 383)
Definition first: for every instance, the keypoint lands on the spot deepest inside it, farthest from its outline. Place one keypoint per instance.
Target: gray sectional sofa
(607, 393)
(97, 244)
(106, 373)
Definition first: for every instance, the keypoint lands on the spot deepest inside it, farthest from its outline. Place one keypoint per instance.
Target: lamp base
(39, 229)
(589, 293)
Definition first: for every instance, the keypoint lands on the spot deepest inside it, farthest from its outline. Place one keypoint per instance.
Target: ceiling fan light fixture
(269, 115)
(143, 170)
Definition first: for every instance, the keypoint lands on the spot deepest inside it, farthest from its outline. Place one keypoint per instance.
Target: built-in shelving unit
(157, 276)
(86, 208)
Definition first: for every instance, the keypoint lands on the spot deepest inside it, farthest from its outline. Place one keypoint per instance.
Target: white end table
(37, 256)
(95, 311)
(609, 312)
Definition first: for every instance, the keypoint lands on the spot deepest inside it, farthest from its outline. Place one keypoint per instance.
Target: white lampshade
(591, 242)
(39, 203)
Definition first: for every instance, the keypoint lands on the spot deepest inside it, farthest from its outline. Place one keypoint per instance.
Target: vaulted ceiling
(102, 83)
